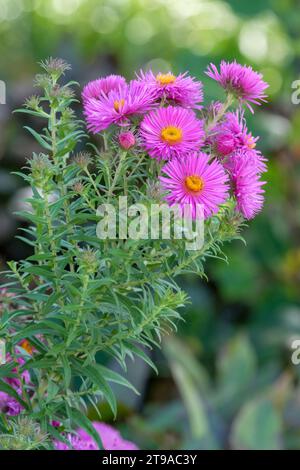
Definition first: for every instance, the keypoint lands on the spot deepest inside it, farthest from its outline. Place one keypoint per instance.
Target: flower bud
(55, 67)
(126, 140)
(42, 171)
(32, 102)
(154, 190)
(83, 159)
(88, 261)
(78, 187)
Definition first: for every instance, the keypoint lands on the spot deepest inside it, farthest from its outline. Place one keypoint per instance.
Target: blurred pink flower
(111, 440)
(8, 404)
(240, 80)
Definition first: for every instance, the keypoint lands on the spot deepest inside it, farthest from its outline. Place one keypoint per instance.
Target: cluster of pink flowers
(16, 380)
(110, 437)
(210, 154)
(10, 406)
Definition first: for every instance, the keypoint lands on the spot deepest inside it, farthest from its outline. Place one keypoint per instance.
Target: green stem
(141, 159)
(85, 284)
(52, 244)
(117, 173)
(220, 114)
(92, 182)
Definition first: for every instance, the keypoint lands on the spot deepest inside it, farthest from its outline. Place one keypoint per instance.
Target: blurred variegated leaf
(257, 427)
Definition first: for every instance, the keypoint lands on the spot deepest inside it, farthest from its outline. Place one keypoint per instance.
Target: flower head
(55, 66)
(171, 132)
(193, 180)
(10, 405)
(117, 106)
(111, 440)
(240, 80)
(232, 135)
(82, 159)
(184, 90)
(247, 186)
(96, 88)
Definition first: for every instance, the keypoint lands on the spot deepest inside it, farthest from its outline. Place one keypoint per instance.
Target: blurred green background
(227, 379)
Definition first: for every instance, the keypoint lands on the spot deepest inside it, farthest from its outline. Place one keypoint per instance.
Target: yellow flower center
(27, 346)
(251, 144)
(119, 104)
(165, 78)
(171, 134)
(194, 183)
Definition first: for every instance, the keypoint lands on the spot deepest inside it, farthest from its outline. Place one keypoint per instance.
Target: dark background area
(227, 379)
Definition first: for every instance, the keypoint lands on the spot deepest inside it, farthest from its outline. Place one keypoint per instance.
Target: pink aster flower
(111, 440)
(118, 106)
(247, 186)
(193, 180)
(240, 80)
(182, 89)
(253, 157)
(97, 88)
(232, 135)
(8, 404)
(171, 132)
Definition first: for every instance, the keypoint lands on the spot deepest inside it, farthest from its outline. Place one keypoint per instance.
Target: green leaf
(93, 373)
(39, 138)
(46, 326)
(236, 372)
(188, 388)
(83, 422)
(57, 435)
(40, 113)
(5, 370)
(257, 427)
(43, 363)
(67, 371)
(140, 353)
(38, 271)
(25, 240)
(4, 387)
(112, 376)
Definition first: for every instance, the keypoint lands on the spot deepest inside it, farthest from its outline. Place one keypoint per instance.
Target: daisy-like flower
(247, 187)
(111, 439)
(97, 88)
(117, 106)
(171, 132)
(232, 135)
(240, 80)
(253, 157)
(182, 89)
(193, 180)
